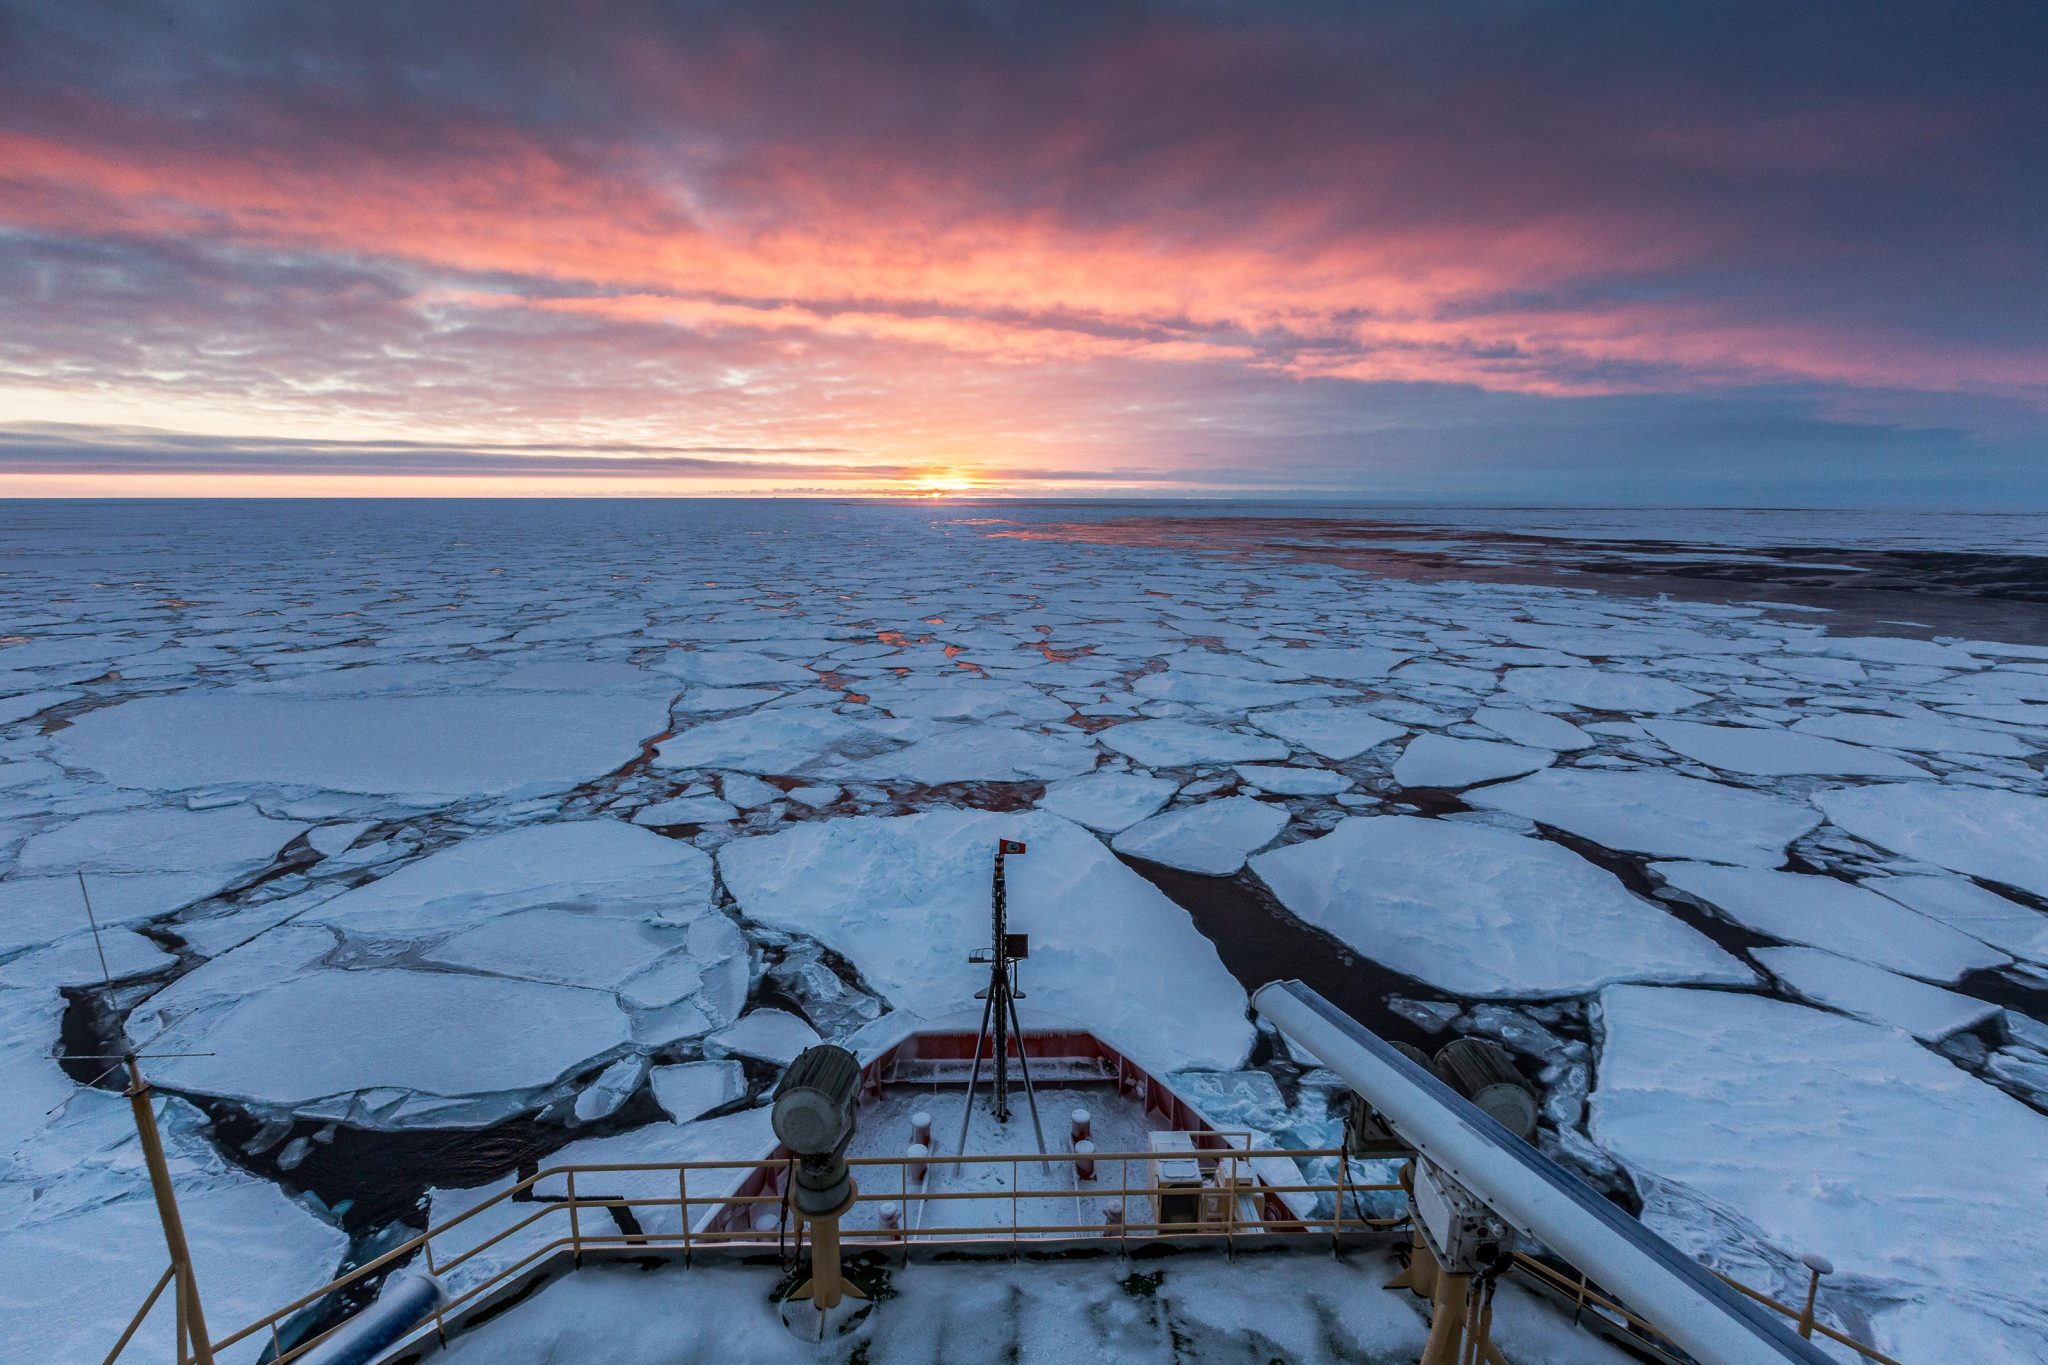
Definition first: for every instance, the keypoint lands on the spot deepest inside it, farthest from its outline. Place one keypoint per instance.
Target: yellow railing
(1236, 1182)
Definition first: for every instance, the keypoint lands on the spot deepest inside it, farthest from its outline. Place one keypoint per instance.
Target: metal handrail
(1245, 1182)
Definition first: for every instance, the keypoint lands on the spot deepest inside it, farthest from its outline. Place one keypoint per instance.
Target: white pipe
(1679, 1297)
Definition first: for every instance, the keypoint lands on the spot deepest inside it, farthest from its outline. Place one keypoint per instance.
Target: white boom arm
(1678, 1296)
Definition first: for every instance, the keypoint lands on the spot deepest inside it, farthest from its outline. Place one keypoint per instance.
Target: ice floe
(468, 986)
(1333, 731)
(1598, 689)
(1210, 837)
(1440, 761)
(2000, 836)
(1801, 1132)
(1107, 802)
(1656, 813)
(1179, 743)
(1826, 912)
(1773, 752)
(421, 748)
(1483, 912)
(1873, 994)
(906, 898)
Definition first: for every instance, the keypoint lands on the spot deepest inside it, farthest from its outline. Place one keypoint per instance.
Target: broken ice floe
(1850, 1152)
(471, 985)
(1482, 912)
(905, 899)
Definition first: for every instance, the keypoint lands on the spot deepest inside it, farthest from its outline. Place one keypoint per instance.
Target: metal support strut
(999, 1012)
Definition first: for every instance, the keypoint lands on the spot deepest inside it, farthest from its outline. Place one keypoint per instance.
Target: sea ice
(1438, 761)
(1179, 743)
(1966, 906)
(686, 810)
(1830, 1136)
(790, 739)
(982, 753)
(1873, 994)
(1826, 912)
(1924, 731)
(1293, 781)
(732, 668)
(226, 843)
(768, 1035)
(2000, 836)
(467, 986)
(1335, 732)
(1772, 752)
(690, 1089)
(81, 1254)
(1108, 802)
(1657, 813)
(1210, 837)
(1537, 729)
(1600, 689)
(428, 748)
(906, 899)
(387, 1045)
(1481, 912)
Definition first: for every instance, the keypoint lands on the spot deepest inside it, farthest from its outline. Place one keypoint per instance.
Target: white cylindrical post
(921, 1129)
(918, 1153)
(1079, 1126)
(891, 1214)
(1084, 1160)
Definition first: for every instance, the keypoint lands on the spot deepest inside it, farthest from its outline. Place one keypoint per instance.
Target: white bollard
(917, 1154)
(1112, 1221)
(921, 1129)
(1080, 1130)
(766, 1221)
(892, 1217)
(1084, 1159)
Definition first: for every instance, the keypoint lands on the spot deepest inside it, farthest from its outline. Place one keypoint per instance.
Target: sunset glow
(789, 248)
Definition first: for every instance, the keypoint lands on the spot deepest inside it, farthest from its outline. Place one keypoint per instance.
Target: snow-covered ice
(1964, 905)
(1797, 1132)
(1482, 912)
(1773, 752)
(1107, 802)
(690, 1089)
(1825, 912)
(1440, 761)
(464, 987)
(767, 1035)
(1292, 781)
(906, 899)
(420, 748)
(1657, 813)
(2001, 836)
(1210, 837)
(1536, 729)
(1333, 731)
(1873, 994)
(443, 712)
(1179, 743)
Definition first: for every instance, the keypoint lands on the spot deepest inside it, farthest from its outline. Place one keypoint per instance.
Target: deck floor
(1000, 1194)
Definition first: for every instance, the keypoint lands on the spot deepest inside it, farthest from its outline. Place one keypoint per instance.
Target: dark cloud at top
(1054, 232)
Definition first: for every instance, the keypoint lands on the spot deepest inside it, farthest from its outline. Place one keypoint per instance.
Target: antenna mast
(1000, 1010)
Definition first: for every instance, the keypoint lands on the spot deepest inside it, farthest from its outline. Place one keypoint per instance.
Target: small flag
(1010, 846)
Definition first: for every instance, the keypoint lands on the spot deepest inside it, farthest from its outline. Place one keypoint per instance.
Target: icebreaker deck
(1118, 1168)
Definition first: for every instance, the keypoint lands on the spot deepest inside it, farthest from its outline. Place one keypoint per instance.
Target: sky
(1776, 254)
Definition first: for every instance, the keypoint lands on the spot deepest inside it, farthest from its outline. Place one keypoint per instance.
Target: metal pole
(973, 1079)
(999, 986)
(1030, 1095)
(167, 1212)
